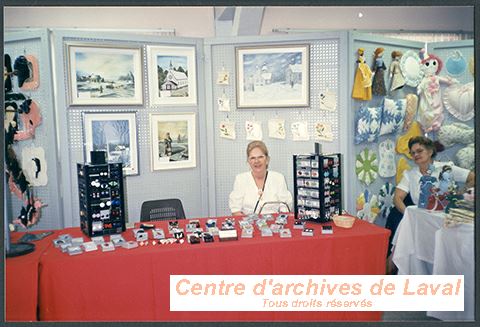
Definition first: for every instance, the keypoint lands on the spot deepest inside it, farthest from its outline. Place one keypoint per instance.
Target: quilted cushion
(367, 124)
(393, 115)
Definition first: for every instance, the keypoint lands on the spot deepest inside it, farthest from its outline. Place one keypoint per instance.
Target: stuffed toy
(395, 73)
(430, 106)
(362, 85)
(378, 82)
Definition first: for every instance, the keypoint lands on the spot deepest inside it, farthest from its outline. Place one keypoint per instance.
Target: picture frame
(116, 134)
(273, 76)
(172, 75)
(100, 74)
(173, 140)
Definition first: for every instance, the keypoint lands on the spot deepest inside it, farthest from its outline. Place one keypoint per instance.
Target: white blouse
(245, 194)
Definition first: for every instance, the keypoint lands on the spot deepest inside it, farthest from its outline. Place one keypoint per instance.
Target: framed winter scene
(116, 134)
(172, 140)
(104, 74)
(273, 76)
(172, 75)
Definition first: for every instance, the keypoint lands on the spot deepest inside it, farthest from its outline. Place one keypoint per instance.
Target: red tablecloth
(21, 280)
(133, 285)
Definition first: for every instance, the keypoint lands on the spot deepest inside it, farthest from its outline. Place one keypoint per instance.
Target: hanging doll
(362, 85)
(430, 106)
(396, 78)
(378, 82)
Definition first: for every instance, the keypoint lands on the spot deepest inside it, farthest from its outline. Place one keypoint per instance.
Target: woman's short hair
(257, 144)
(425, 142)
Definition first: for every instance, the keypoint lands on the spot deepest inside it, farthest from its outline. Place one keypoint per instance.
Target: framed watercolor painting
(172, 140)
(116, 134)
(273, 76)
(104, 74)
(172, 75)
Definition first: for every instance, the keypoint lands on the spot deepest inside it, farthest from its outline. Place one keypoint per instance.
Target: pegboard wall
(184, 184)
(35, 42)
(230, 155)
(442, 50)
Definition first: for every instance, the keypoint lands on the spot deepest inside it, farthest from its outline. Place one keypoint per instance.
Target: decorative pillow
(402, 165)
(402, 141)
(367, 124)
(410, 111)
(455, 133)
(367, 206)
(386, 151)
(459, 100)
(366, 166)
(393, 115)
(385, 198)
(466, 157)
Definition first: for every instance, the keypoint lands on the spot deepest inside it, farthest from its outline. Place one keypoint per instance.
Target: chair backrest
(165, 209)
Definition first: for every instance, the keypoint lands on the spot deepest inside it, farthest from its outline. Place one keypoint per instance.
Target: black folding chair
(165, 209)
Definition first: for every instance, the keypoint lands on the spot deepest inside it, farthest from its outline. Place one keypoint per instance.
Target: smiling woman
(254, 188)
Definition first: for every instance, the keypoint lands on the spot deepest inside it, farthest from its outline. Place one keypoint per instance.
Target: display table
(133, 285)
(21, 280)
(423, 246)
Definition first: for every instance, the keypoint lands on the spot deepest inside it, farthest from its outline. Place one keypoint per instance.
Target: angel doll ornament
(378, 82)
(395, 73)
(430, 106)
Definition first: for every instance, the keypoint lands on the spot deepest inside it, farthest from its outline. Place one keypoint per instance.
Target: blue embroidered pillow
(393, 115)
(367, 124)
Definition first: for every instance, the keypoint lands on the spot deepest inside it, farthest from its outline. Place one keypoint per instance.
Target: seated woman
(407, 192)
(259, 185)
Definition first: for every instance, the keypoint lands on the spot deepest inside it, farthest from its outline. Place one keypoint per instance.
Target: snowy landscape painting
(114, 133)
(105, 75)
(172, 75)
(173, 140)
(272, 76)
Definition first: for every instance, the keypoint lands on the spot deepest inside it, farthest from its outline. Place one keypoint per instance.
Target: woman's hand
(398, 198)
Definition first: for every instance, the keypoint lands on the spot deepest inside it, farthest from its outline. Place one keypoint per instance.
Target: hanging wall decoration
(402, 142)
(410, 110)
(253, 130)
(362, 85)
(402, 165)
(328, 100)
(367, 206)
(104, 74)
(455, 65)
(367, 124)
(378, 81)
(173, 141)
(386, 151)
(323, 131)
(393, 115)
(223, 103)
(411, 68)
(7, 73)
(227, 130)
(397, 81)
(459, 99)
(276, 128)
(223, 77)
(456, 133)
(385, 198)
(30, 119)
(299, 131)
(430, 106)
(114, 133)
(172, 75)
(273, 76)
(34, 165)
(26, 69)
(366, 166)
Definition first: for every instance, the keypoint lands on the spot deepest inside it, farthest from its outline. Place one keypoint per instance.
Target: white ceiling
(201, 21)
